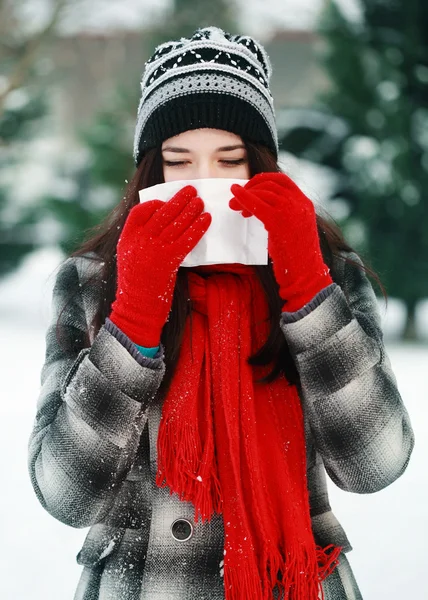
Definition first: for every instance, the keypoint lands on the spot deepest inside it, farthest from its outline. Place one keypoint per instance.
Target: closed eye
(229, 163)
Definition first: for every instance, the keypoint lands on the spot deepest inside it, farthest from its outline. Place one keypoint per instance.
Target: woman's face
(204, 153)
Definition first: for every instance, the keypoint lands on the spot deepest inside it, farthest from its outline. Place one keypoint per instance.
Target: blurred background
(350, 84)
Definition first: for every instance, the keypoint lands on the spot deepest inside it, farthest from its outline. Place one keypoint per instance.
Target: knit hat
(214, 79)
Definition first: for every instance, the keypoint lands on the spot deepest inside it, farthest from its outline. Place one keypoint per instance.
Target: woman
(188, 415)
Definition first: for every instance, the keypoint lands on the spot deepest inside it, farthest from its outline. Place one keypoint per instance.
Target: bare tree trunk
(410, 333)
(28, 57)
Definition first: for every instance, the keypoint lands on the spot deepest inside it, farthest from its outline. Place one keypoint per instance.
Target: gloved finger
(277, 177)
(265, 196)
(259, 197)
(286, 198)
(244, 200)
(256, 205)
(234, 205)
(182, 222)
(193, 235)
(171, 209)
(272, 186)
(141, 213)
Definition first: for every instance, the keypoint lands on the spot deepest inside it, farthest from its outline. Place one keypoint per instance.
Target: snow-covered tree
(371, 128)
(183, 17)
(89, 180)
(22, 105)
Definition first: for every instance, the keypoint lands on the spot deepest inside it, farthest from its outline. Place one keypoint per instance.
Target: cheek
(171, 174)
(180, 173)
(243, 171)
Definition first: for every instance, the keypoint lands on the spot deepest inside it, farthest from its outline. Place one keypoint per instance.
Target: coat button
(182, 530)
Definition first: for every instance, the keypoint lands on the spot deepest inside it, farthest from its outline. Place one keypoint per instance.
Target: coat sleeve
(91, 409)
(357, 418)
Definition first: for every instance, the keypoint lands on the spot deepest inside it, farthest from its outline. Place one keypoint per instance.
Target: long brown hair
(101, 244)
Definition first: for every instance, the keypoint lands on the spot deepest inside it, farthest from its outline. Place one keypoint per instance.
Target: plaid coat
(92, 452)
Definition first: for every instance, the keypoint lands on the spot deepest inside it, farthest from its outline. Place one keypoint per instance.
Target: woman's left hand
(293, 243)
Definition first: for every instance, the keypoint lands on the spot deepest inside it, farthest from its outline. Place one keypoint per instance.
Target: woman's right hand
(156, 238)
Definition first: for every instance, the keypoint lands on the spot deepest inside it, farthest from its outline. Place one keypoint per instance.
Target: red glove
(156, 238)
(293, 242)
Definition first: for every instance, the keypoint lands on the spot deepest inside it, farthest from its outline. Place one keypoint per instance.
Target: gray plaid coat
(92, 452)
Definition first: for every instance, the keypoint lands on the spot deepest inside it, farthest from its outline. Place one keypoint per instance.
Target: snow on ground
(37, 559)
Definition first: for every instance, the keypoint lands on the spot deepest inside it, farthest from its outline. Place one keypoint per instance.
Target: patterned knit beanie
(214, 80)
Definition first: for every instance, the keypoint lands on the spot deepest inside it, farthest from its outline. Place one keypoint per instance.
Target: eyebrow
(185, 150)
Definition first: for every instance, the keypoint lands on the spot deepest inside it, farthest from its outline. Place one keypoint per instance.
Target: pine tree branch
(17, 77)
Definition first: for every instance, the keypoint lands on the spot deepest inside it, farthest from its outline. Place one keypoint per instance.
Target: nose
(207, 171)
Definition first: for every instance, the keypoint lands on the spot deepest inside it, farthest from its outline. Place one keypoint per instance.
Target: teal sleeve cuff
(150, 352)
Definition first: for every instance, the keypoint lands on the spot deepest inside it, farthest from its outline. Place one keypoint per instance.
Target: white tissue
(230, 238)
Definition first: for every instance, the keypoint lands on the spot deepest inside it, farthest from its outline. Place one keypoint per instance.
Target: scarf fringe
(242, 582)
(327, 559)
(180, 468)
(296, 577)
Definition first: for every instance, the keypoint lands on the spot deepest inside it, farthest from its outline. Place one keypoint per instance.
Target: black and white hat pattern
(214, 79)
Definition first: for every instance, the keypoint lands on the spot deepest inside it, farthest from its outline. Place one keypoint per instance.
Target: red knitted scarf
(234, 446)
